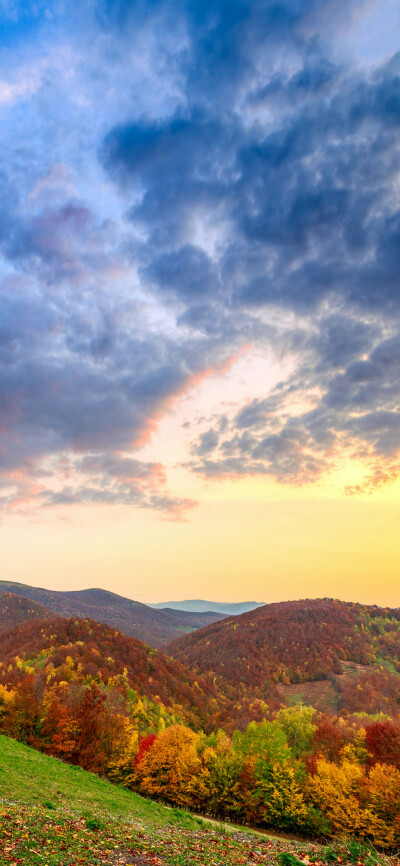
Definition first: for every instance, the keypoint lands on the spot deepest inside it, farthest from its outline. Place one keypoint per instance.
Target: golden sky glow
(199, 299)
(248, 538)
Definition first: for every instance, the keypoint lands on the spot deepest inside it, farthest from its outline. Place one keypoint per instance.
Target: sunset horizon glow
(200, 299)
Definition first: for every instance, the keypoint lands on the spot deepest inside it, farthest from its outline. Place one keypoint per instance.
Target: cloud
(99, 479)
(301, 210)
(183, 181)
(187, 271)
(208, 441)
(351, 413)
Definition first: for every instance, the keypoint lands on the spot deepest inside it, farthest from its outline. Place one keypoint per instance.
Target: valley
(155, 627)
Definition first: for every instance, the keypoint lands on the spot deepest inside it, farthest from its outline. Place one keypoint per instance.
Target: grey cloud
(259, 183)
(356, 411)
(307, 204)
(207, 443)
(170, 507)
(188, 271)
(97, 478)
(340, 339)
(256, 412)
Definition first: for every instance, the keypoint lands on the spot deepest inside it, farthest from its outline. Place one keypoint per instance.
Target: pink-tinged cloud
(192, 381)
(95, 479)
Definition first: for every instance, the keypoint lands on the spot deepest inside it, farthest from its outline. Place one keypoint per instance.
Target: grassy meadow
(54, 814)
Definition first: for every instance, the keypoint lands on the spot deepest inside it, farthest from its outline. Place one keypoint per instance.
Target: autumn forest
(222, 721)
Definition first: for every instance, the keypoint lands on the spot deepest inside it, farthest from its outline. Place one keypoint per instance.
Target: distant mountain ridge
(154, 627)
(200, 605)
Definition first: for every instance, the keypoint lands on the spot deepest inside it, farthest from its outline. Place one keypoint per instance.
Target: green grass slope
(58, 815)
(54, 814)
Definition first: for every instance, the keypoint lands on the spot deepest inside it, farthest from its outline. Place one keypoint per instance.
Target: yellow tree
(170, 767)
(219, 780)
(335, 790)
(381, 816)
(6, 698)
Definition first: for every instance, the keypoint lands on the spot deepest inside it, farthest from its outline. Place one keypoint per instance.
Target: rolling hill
(332, 654)
(14, 610)
(336, 656)
(80, 652)
(154, 627)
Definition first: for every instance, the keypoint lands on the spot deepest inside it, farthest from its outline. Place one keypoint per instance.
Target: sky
(200, 298)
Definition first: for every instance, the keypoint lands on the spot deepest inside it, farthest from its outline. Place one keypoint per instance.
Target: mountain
(196, 619)
(15, 610)
(200, 605)
(81, 652)
(60, 651)
(155, 627)
(336, 656)
(331, 654)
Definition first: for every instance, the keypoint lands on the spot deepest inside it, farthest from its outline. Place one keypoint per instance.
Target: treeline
(296, 772)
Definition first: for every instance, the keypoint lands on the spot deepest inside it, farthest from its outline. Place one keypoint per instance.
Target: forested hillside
(272, 652)
(14, 610)
(155, 627)
(55, 659)
(86, 693)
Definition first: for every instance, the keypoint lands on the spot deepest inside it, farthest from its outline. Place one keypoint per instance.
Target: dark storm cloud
(309, 204)
(188, 271)
(241, 176)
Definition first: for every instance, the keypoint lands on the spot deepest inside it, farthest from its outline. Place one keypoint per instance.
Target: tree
(382, 740)
(263, 740)
(298, 726)
(91, 755)
(335, 790)
(169, 768)
(59, 728)
(381, 818)
(220, 782)
(327, 741)
(145, 744)
(281, 798)
(21, 719)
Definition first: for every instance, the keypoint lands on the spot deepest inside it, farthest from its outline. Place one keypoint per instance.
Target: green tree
(265, 741)
(297, 724)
